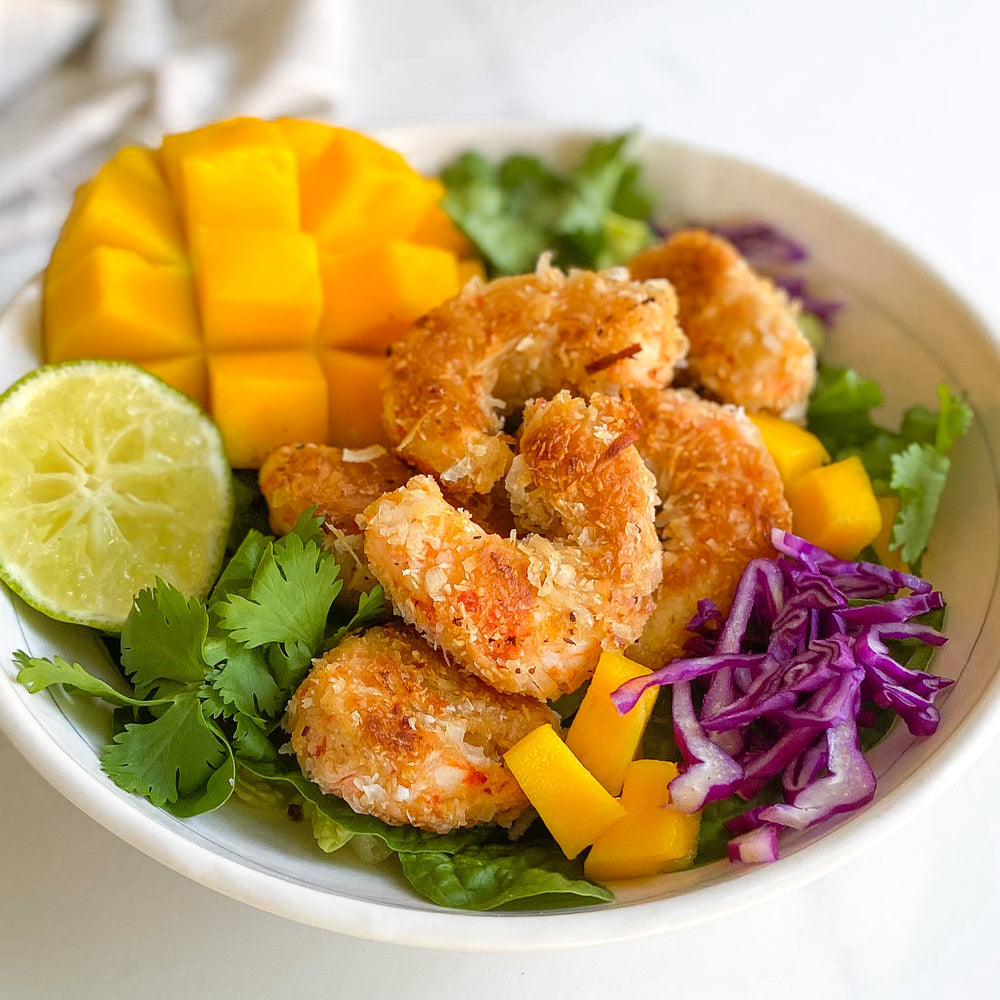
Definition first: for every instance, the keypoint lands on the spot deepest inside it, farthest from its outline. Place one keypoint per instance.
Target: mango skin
(571, 802)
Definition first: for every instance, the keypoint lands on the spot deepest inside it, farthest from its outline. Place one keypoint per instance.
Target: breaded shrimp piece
(339, 484)
(746, 345)
(388, 724)
(476, 359)
(531, 614)
(721, 497)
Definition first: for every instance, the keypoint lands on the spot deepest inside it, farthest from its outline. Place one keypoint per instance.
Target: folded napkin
(80, 78)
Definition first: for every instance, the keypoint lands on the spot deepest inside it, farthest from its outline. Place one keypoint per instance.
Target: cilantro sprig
(210, 680)
(595, 215)
(911, 463)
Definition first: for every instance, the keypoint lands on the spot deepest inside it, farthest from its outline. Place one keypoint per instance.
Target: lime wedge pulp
(109, 478)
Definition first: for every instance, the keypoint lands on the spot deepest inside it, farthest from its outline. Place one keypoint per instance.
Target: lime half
(109, 479)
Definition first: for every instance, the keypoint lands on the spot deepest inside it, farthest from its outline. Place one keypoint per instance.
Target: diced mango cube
(470, 268)
(257, 287)
(794, 449)
(239, 172)
(889, 508)
(186, 373)
(435, 228)
(307, 139)
(374, 293)
(355, 403)
(125, 205)
(261, 400)
(652, 837)
(360, 192)
(604, 740)
(113, 303)
(834, 507)
(571, 802)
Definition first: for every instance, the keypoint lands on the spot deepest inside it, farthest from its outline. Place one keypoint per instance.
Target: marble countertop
(888, 107)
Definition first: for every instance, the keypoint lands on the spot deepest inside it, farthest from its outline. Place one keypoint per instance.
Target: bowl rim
(509, 931)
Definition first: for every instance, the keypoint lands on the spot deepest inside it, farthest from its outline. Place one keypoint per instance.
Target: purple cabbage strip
(783, 678)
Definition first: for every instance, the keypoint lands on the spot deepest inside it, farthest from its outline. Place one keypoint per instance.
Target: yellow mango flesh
(889, 508)
(355, 401)
(187, 373)
(571, 802)
(374, 293)
(652, 837)
(257, 287)
(793, 449)
(834, 506)
(307, 139)
(354, 195)
(125, 205)
(113, 303)
(436, 229)
(601, 738)
(264, 399)
(240, 172)
(171, 257)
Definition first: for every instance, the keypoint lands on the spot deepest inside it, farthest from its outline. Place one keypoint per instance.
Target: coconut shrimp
(531, 614)
(473, 361)
(721, 497)
(339, 484)
(746, 345)
(388, 724)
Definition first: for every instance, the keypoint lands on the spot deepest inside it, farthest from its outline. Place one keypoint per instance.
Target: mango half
(209, 259)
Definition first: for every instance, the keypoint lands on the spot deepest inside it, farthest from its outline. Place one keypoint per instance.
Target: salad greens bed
(210, 680)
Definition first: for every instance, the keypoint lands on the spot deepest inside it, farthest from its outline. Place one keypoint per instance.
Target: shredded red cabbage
(782, 681)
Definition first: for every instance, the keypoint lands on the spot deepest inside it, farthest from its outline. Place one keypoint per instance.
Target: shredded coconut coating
(479, 357)
(746, 345)
(721, 496)
(385, 722)
(531, 614)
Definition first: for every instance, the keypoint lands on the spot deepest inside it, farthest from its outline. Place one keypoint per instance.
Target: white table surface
(890, 107)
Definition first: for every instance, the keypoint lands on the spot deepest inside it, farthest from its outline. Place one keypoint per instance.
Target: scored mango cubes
(257, 287)
(375, 292)
(240, 172)
(112, 303)
(247, 237)
(261, 400)
(126, 205)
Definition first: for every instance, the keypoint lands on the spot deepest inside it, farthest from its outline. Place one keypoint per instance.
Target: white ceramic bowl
(902, 327)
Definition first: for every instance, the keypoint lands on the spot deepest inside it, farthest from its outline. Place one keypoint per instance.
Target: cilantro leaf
(169, 759)
(237, 575)
(163, 640)
(243, 680)
(36, 674)
(290, 597)
(840, 408)
(372, 608)
(919, 474)
(593, 216)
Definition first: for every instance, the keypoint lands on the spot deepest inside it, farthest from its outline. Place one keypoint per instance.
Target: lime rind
(109, 479)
